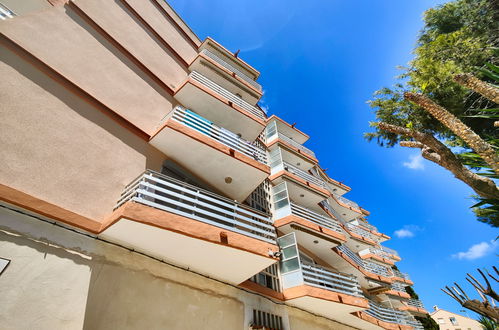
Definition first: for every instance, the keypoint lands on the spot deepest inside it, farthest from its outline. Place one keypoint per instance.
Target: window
(269, 277)
(441, 320)
(453, 321)
(3, 264)
(263, 320)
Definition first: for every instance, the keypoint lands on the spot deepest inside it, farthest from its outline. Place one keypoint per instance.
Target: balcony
(360, 234)
(402, 277)
(383, 317)
(414, 307)
(398, 290)
(377, 255)
(228, 70)
(305, 189)
(371, 271)
(192, 228)
(216, 103)
(317, 289)
(219, 157)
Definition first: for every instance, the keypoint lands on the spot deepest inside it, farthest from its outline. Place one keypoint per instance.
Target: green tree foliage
(458, 37)
(411, 292)
(427, 322)
(488, 324)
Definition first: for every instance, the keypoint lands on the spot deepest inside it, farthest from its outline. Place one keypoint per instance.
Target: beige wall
(59, 148)
(59, 279)
(22, 7)
(442, 317)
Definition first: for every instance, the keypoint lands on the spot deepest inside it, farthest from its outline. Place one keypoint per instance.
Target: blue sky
(320, 61)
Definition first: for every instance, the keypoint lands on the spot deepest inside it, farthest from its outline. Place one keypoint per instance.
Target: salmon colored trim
(403, 280)
(310, 225)
(398, 294)
(287, 124)
(178, 27)
(375, 232)
(357, 236)
(72, 87)
(345, 205)
(299, 180)
(362, 270)
(318, 293)
(376, 257)
(227, 71)
(385, 325)
(292, 148)
(413, 309)
(249, 67)
(195, 135)
(50, 210)
(364, 211)
(333, 181)
(189, 227)
(221, 99)
(80, 12)
(255, 287)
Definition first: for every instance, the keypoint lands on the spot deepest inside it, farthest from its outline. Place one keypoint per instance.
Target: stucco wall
(59, 279)
(61, 149)
(26, 6)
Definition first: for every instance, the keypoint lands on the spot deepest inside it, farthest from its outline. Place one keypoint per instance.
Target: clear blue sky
(320, 61)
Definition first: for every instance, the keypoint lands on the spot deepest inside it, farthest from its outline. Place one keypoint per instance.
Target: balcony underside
(380, 260)
(359, 242)
(300, 191)
(348, 212)
(418, 311)
(204, 157)
(366, 321)
(218, 109)
(223, 77)
(327, 303)
(188, 243)
(306, 232)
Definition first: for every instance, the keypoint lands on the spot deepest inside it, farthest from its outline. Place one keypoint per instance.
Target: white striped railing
(387, 314)
(380, 253)
(227, 95)
(220, 134)
(346, 201)
(304, 175)
(316, 218)
(371, 267)
(359, 231)
(5, 12)
(399, 287)
(401, 275)
(415, 303)
(390, 251)
(330, 280)
(295, 144)
(165, 193)
(230, 67)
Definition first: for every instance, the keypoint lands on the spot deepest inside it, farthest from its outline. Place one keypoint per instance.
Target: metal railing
(232, 68)
(304, 175)
(5, 12)
(371, 267)
(227, 95)
(346, 201)
(399, 287)
(368, 226)
(295, 144)
(380, 253)
(231, 140)
(316, 218)
(415, 303)
(360, 231)
(387, 314)
(390, 251)
(330, 280)
(401, 275)
(168, 194)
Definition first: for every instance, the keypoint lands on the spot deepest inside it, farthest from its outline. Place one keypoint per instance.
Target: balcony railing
(346, 201)
(415, 303)
(401, 275)
(295, 144)
(359, 231)
(399, 287)
(368, 225)
(231, 140)
(230, 67)
(387, 314)
(380, 253)
(316, 218)
(5, 12)
(390, 251)
(304, 175)
(330, 280)
(227, 95)
(165, 193)
(371, 267)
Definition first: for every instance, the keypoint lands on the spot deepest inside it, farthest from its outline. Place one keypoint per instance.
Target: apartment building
(452, 321)
(142, 187)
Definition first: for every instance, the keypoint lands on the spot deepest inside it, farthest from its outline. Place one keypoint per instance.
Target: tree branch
(481, 147)
(437, 152)
(468, 80)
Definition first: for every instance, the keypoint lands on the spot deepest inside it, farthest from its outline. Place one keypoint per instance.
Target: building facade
(142, 187)
(452, 321)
